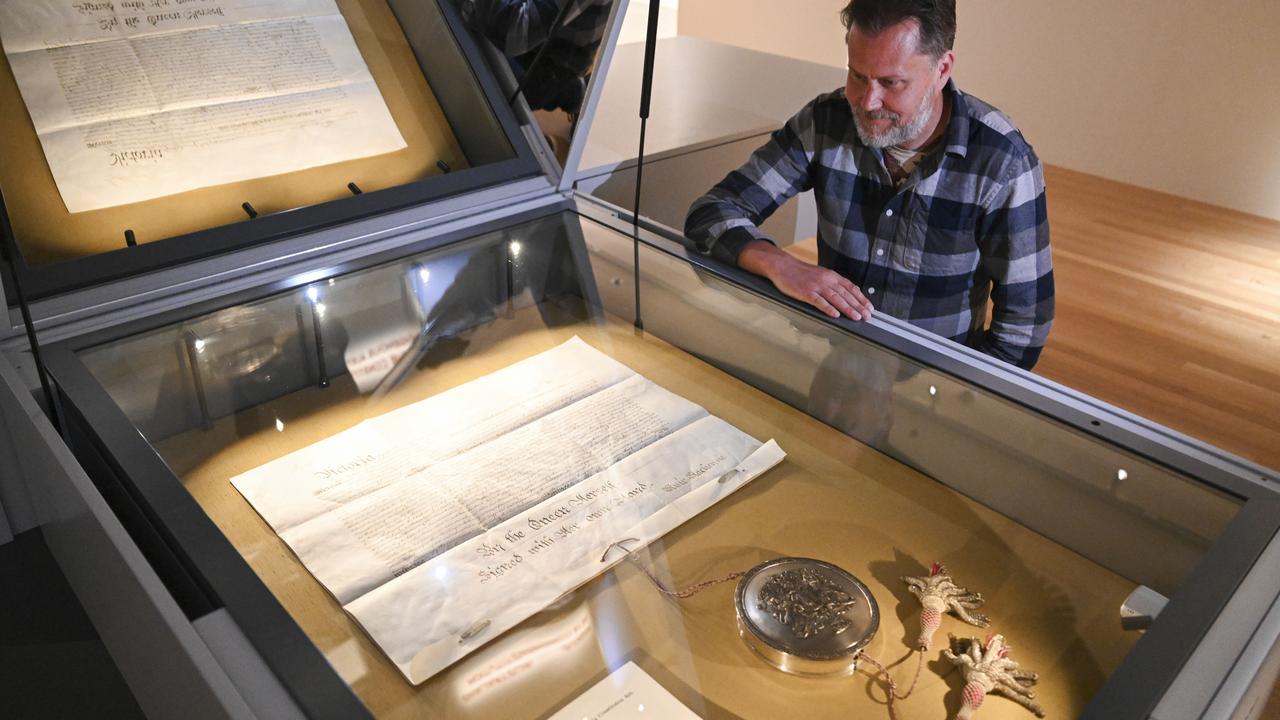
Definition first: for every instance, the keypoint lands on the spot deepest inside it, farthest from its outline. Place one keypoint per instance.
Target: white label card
(629, 693)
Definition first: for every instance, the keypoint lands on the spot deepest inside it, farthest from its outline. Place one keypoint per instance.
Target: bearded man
(930, 202)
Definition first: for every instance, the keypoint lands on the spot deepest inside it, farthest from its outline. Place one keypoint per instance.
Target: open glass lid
(143, 135)
(714, 98)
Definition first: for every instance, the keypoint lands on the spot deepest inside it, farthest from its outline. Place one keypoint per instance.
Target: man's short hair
(937, 19)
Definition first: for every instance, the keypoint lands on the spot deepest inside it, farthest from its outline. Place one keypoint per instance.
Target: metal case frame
(207, 574)
(1228, 609)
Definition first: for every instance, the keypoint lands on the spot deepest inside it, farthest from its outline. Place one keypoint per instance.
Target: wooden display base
(833, 498)
(47, 233)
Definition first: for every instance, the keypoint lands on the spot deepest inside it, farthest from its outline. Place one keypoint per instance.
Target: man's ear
(946, 64)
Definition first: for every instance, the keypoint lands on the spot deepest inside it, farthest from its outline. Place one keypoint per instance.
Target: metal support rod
(323, 381)
(511, 277)
(11, 258)
(302, 338)
(646, 92)
(193, 359)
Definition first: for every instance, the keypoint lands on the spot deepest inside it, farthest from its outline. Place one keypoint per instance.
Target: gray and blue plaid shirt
(968, 224)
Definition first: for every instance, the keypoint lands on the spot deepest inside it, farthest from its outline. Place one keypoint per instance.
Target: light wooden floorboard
(1168, 308)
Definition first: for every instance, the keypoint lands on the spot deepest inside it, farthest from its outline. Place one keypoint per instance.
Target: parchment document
(470, 511)
(136, 99)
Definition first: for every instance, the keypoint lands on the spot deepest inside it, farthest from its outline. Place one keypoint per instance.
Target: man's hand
(827, 290)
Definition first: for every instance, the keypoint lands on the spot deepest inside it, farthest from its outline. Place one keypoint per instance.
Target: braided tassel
(930, 621)
(938, 594)
(971, 699)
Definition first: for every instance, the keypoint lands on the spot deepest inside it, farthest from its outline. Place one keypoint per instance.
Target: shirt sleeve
(1015, 246)
(727, 218)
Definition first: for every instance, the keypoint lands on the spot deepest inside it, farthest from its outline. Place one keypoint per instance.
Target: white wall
(1181, 96)
(636, 24)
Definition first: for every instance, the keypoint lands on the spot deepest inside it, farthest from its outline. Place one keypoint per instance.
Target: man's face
(893, 88)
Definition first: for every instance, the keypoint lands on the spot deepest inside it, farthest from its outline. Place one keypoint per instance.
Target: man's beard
(895, 134)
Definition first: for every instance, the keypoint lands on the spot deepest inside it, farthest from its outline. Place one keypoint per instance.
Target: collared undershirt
(900, 162)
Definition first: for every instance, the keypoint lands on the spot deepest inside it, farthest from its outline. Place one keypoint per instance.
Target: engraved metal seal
(806, 601)
(806, 616)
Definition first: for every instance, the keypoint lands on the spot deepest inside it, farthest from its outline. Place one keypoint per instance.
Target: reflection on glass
(853, 393)
(551, 45)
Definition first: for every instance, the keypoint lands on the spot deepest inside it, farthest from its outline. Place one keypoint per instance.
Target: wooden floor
(1167, 308)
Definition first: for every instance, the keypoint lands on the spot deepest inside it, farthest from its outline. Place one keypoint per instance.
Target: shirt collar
(957, 136)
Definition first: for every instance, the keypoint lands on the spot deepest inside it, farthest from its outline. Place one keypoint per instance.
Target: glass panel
(1211, 376)
(213, 116)
(713, 103)
(1024, 465)
(890, 467)
(552, 50)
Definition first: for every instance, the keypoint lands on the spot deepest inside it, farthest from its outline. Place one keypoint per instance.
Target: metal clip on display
(248, 210)
(729, 475)
(355, 189)
(621, 544)
(129, 239)
(473, 631)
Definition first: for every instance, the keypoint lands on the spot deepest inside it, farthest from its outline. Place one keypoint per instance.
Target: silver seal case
(825, 651)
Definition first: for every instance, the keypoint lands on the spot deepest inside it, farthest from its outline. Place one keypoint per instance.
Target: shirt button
(888, 213)
(871, 291)
(879, 251)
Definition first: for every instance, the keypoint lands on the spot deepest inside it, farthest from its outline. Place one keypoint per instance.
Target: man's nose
(872, 97)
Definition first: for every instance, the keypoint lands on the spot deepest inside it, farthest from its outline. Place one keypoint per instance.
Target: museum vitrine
(139, 136)
(472, 444)
(408, 477)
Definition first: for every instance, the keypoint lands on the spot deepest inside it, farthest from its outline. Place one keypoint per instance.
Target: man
(930, 202)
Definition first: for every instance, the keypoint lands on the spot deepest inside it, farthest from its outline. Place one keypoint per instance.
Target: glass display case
(894, 461)
(233, 125)
(338, 434)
